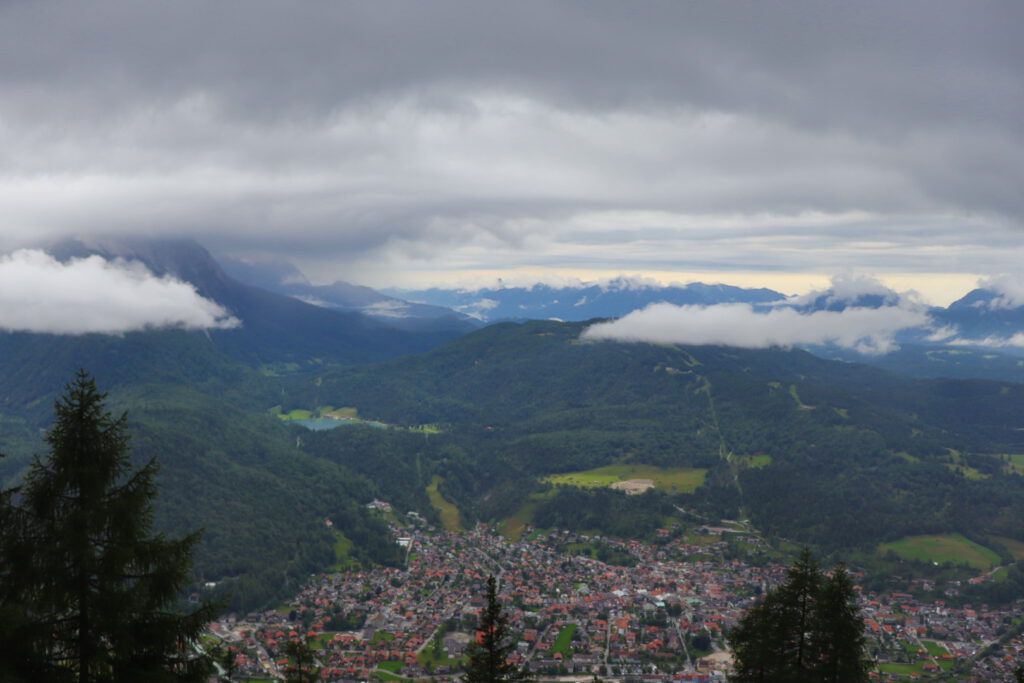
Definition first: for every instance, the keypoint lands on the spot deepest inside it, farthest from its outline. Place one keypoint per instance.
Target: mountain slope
(284, 278)
(857, 455)
(275, 328)
(226, 465)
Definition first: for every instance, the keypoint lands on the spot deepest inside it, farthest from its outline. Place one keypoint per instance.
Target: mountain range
(824, 451)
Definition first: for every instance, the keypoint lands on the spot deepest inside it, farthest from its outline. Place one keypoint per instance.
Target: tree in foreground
(302, 663)
(89, 586)
(489, 654)
(808, 629)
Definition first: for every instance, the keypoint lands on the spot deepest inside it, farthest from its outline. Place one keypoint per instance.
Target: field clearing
(1015, 464)
(514, 527)
(563, 644)
(450, 518)
(427, 429)
(1013, 546)
(339, 413)
(671, 479)
(321, 641)
(342, 548)
(756, 461)
(934, 649)
(901, 669)
(967, 472)
(952, 548)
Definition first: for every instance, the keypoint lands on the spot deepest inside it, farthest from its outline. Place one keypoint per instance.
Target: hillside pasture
(1013, 546)
(668, 479)
(450, 518)
(951, 548)
(513, 527)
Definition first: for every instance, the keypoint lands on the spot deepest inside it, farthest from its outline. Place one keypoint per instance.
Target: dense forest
(833, 454)
(857, 455)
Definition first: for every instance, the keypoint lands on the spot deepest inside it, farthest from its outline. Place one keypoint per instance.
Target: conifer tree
(302, 665)
(488, 655)
(808, 629)
(840, 631)
(90, 583)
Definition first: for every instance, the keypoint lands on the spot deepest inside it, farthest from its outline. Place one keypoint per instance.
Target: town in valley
(584, 605)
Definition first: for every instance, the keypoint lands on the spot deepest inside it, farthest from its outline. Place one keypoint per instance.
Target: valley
(658, 609)
(531, 437)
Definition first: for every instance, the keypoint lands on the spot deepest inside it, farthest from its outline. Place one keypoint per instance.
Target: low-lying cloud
(867, 330)
(1009, 291)
(1015, 340)
(92, 295)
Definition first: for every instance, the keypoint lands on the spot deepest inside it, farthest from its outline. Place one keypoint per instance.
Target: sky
(409, 143)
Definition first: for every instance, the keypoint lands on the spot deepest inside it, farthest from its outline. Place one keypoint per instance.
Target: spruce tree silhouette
(87, 586)
(488, 655)
(807, 630)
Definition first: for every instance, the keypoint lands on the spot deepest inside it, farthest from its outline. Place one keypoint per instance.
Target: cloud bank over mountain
(92, 295)
(1008, 288)
(862, 329)
(856, 312)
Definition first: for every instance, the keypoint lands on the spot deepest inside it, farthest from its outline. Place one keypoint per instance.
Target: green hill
(857, 455)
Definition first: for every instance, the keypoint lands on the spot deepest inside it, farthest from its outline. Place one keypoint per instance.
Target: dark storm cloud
(754, 135)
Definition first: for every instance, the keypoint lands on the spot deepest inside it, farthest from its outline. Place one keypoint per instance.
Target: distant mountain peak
(180, 258)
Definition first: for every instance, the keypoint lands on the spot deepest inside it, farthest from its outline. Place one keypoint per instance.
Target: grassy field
(952, 548)
(901, 669)
(381, 637)
(756, 461)
(297, 415)
(1015, 464)
(434, 654)
(342, 547)
(513, 527)
(672, 479)
(321, 641)
(339, 413)
(426, 429)
(450, 518)
(563, 643)
(1015, 548)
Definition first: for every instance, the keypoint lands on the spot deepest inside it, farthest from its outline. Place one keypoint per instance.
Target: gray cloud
(1009, 290)
(363, 138)
(41, 294)
(798, 320)
(867, 330)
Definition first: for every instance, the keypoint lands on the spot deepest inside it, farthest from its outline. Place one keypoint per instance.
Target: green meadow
(952, 548)
(563, 643)
(669, 479)
(1014, 547)
(513, 527)
(450, 518)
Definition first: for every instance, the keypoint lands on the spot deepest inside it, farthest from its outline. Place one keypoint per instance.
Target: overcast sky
(417, 142)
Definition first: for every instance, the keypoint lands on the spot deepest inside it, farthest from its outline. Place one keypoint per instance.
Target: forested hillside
(834, 454)
(226, 464)
(831, 453)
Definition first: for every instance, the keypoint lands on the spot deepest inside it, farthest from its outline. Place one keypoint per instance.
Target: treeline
(858, 455)
(604, 511)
